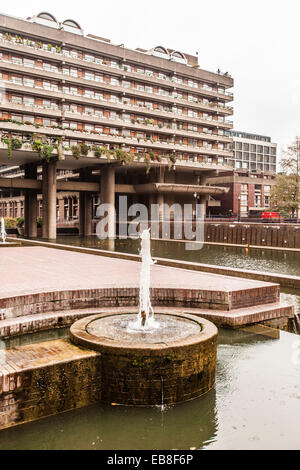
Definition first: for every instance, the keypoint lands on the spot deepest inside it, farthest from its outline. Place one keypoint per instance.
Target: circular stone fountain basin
(173, 363)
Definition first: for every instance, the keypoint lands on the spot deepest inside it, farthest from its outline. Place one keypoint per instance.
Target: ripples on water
(254, 405)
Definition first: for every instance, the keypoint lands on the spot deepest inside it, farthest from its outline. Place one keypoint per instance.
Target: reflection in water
(253, 259)
(253, 405)
(234, 257)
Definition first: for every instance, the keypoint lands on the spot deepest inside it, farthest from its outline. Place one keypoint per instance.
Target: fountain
(3, 231)
(145, 360)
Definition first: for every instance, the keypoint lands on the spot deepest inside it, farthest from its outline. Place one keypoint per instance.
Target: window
(89, 58)
(114, 99)
(149, 89)
(28, 63)
(28, 82)
(46, 85)
(16, 99)
(29, 119)
(89, 110)
(114, 64)
(125, 84)
(89, 93)
(114, 81)
(16, 60)
(98, 78)
(89, 75)
(16, 80)
(65, 71)
(28, 101)
(73, 72)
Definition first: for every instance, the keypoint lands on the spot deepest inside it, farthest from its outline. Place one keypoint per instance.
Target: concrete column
(160, 196)
(85, 214)
(85, 206)
(30, 204)
(108, 196)
(49, 200)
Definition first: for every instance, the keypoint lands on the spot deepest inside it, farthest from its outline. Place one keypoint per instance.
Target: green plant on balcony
(84, 149)
(49, 47)
(39, 45)
(125, 158)
(8, 36)
(75, 149)
(171, 160)
(58, 49)
(147, 160)
(43, 149)
(12, 143)
(98, 151)
(152, 156)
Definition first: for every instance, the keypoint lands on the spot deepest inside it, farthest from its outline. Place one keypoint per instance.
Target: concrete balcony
(143, 127)
(27, 155)
(80, 99)
(106, 138)
(33, 110)
(102, 86)
(59, 58)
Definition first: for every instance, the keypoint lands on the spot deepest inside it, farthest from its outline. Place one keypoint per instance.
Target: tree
(285, 194)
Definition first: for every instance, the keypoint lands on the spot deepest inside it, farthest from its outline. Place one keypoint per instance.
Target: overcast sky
(257, 42)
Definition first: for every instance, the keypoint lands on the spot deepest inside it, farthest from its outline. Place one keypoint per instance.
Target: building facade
(249, 193)
(253, 152)
(85, 119)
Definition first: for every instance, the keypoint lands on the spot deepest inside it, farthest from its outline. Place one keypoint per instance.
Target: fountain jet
(146, 312)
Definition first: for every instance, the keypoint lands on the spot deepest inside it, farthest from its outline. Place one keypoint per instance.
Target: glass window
(89, 58)
(28, 101)
(28, 62)
(28, 82)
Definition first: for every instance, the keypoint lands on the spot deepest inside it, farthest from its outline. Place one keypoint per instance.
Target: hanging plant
(75, 149)
(123, 157)
(43, 149)
(84, 148)
(98, 151)
(12, 143)
(171, 160)
(47, 152)
(147, 160)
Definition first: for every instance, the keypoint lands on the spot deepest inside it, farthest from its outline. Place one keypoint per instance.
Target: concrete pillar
(160, 196)
(85, 214)
(30, 204)
(108, 196)
(49, 200)
(85, 206)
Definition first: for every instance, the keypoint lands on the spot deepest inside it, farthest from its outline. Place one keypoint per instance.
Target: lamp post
(239, 208)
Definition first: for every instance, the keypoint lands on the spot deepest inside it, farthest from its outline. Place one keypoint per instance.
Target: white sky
(257, 42)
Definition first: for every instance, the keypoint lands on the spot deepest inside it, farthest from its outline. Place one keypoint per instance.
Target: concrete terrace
(40, 281)
(29, 270)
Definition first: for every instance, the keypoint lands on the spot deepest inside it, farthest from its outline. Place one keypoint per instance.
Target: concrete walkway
(27, 270)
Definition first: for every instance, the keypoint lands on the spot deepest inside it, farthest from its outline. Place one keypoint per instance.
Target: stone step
(234, 319)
